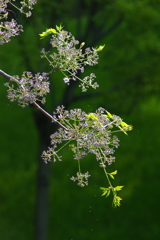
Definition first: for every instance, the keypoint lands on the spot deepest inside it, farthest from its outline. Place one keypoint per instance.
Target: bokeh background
(40, 202)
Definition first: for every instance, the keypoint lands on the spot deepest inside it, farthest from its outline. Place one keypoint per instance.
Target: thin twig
(48, 115)
(52, 71)
(4, 74)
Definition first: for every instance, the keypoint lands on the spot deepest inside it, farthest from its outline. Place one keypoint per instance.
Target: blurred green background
(128, 74)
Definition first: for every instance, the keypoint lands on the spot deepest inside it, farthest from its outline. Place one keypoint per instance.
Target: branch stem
(4, 74)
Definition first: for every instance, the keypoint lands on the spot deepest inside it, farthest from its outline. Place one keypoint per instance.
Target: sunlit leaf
(118, 188)
(47, 32)
(100, 48)
(59, 28)
(116, 201)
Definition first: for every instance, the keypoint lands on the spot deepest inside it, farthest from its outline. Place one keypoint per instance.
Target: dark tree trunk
(41, 221)
(45, 129)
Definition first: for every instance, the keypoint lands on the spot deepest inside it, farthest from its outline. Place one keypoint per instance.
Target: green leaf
(109, 114)
(59, 28)
(125, 127)
(98, 49)
(106, 191)
(112, 174)
(118, 188)
(47, 32)
(82, 44)
(116, 201)
(92, 116)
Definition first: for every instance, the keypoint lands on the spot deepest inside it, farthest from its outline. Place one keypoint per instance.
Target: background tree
(129, 80)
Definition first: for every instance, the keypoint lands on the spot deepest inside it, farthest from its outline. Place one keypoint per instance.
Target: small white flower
(66, 80)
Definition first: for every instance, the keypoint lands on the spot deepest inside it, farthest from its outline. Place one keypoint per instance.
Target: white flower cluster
(69, 58)
(10, 28)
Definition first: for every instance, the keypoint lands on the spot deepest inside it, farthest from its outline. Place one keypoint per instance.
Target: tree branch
(52, 71)
(4, 74)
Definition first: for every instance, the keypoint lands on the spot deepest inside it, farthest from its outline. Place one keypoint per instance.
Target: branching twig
(4, 74)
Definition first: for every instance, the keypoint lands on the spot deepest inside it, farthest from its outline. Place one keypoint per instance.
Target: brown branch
(48, 115)
(4, 74)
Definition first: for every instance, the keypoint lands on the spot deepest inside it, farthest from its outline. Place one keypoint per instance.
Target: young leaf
(112, 174)
(47, 32)
(82, 44)
(116, 201)
(118, 188)
(59, 28)
(92, 116)
(98, 49)
(109, 114)
(106, 191)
